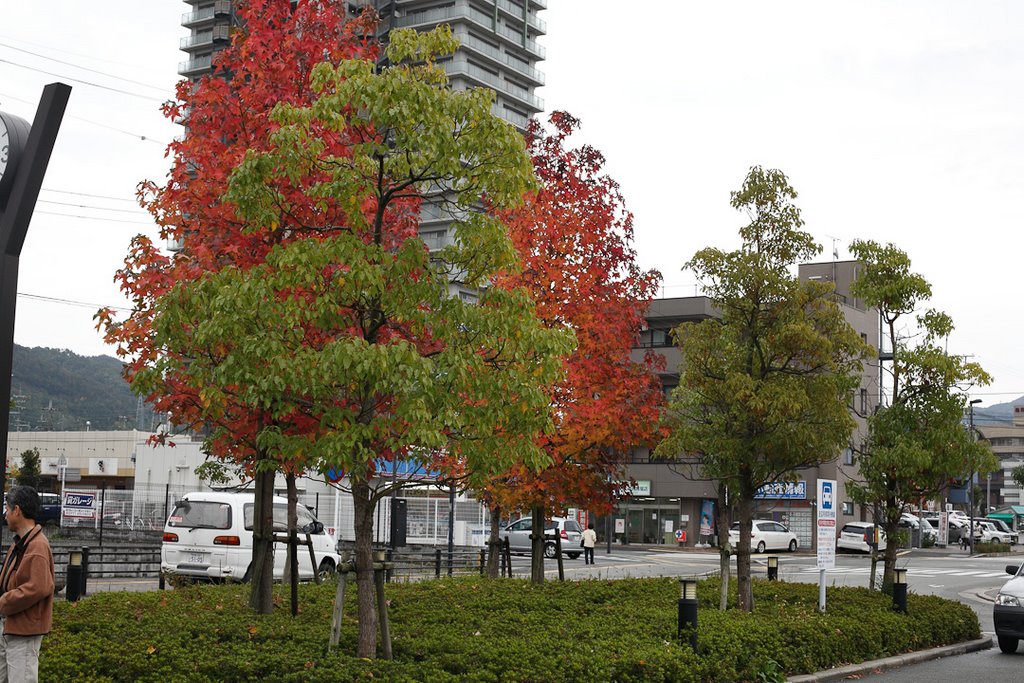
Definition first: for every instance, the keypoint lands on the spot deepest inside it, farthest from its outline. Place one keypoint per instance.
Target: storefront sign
(640, 488)
(790, 490)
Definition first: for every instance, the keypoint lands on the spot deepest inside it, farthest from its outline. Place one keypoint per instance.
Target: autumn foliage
(574, 238)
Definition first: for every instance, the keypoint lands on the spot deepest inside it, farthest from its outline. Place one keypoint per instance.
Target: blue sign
(789, 490)
(826, 495)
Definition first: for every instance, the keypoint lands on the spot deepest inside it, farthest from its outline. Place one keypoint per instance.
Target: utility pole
(27, 154)
(970, 482)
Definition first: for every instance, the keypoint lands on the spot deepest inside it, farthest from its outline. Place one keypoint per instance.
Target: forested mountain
(55, 389)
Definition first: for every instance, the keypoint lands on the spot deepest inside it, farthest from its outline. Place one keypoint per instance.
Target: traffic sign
(680, 535)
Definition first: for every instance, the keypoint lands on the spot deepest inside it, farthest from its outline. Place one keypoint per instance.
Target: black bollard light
(773, 568)
(688, 610)
(85, 569)
(899, 590)
(73, 578)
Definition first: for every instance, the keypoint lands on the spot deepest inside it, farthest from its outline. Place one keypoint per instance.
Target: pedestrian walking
(588, 542)
(26, 584)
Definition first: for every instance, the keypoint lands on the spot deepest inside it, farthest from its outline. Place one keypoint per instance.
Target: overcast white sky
(895, 121)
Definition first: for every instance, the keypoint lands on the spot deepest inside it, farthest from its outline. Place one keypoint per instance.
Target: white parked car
(518, 535)
(208, 535)
(855, 535)
(992, 533)
(765, 534)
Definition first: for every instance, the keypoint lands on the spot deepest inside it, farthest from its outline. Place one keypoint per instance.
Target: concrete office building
(665, 500)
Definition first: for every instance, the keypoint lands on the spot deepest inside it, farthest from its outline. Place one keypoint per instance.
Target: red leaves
(575, 240)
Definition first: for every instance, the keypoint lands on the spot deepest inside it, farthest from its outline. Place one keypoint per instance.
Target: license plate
(197, 558)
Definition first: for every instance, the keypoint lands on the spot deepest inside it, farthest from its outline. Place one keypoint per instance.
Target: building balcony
(218, 34)
(500, 59)
(221, 8)
(195, 66)
(433, 17)
(462, 67)
(517, 13)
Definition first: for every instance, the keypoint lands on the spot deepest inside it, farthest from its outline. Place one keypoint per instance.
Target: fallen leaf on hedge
(310, 665)
(477, 633)
(252, 630)
(150, 650)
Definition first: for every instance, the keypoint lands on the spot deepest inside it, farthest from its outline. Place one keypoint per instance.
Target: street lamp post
(970, 482)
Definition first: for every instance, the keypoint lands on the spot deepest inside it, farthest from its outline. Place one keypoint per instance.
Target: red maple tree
(228, 114)
(574, 238)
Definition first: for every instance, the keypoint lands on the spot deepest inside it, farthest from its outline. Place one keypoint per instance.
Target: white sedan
(765, 535)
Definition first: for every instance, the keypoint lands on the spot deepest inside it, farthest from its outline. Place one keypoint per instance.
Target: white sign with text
(826, 524)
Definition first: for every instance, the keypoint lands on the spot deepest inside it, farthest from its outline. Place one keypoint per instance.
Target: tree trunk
(744, 586)
(261, 569)
(367, 613)
(291, 567)
(493, 547)
(537, 556)
(724, 549)
(892, 527)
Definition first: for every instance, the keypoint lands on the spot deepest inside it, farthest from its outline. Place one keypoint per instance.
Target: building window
(847, 508)
(863, 401)
(847, 456)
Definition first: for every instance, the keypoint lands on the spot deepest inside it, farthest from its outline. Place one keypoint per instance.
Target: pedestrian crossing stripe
(914, 571)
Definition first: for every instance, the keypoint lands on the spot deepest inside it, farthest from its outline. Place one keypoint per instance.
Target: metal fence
(142, 511)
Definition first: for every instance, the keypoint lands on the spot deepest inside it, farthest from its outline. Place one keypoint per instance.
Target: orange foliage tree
(575, 240)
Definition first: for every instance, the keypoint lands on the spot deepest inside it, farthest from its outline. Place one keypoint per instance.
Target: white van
(208, 535)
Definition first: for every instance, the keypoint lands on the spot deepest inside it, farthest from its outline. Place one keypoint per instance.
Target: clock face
(13, 136)
(5, 147)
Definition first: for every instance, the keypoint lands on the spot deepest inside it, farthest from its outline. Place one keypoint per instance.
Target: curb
(879, 665)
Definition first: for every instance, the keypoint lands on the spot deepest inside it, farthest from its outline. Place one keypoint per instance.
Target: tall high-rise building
(498, 50)
(498, 39)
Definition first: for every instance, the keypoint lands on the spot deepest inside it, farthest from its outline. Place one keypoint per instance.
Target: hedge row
(481, 630)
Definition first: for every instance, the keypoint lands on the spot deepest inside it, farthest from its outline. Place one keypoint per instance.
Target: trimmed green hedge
(470, 629)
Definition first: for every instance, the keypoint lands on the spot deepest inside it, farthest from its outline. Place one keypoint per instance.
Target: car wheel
(549, 550)
(573, 556)
(326, 570)
(760, 547)
(1007, 644)
(792, 546)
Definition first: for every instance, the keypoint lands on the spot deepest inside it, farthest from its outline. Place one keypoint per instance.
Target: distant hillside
(998, 414)
(55, 389)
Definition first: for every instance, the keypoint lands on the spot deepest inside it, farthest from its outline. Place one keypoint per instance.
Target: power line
(68, 302)
(86, 194)
(92, 218)
(90, 206)
(83, 68)
(144, 138)
(83, 82)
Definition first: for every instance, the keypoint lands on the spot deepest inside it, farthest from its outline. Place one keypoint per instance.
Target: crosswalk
(911, 572)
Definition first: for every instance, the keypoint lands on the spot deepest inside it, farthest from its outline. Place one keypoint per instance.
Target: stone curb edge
(878, 665)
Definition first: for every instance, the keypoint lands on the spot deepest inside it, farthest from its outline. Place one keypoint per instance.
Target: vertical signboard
(826, 534)
(943, 528)
(826, 524)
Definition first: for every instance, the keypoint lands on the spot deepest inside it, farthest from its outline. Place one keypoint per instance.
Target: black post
(504, 558)
(558, 554)
(73, 581)
(451, 525)
(103, 507)
(899, 597)
(389, 559)
(483, 562)
(688, 611)
(15, 214)
(608, 532)
(437, 563)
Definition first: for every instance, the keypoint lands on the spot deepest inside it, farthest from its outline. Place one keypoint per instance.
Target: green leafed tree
(1018, 476)
(918, 443)
(763, 391)
(345, 338)
(31, 468)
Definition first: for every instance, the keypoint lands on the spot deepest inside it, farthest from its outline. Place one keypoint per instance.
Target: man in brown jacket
(26, 589)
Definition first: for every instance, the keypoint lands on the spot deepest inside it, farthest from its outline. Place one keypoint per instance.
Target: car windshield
(200, 515)
(572, 525)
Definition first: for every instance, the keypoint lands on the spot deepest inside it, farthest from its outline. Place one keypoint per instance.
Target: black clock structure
(13, 136)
